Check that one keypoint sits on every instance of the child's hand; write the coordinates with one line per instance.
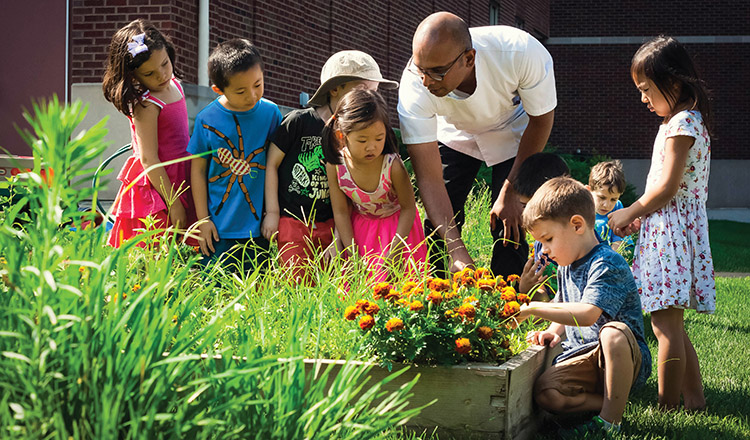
(630, 229)
(270, 225)
(543, 338)
(207, 235)
(533, 274)
(620, 219)
(178, 215)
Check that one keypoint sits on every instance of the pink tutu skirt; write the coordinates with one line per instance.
(374, 235)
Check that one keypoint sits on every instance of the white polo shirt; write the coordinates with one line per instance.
(514, 78)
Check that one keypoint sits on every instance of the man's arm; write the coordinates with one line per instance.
(428, 169)
(507, 208)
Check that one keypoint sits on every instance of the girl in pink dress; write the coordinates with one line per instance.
(139, 82)
(673, 266)
(371, 194)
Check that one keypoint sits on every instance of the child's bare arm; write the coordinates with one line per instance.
(405, 193)
(199, 183)
(575, 314)
(270, 224)
(340, 206)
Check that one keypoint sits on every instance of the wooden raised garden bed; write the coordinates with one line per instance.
(473, 400)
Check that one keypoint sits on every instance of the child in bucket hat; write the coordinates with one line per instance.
(297, 198)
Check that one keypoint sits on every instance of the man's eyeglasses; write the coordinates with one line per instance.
(436, 76)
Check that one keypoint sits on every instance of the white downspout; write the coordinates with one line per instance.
(203, 43)
(67, 48)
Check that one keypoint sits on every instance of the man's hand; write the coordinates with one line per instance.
(270, 225)
(543, 337)
(207, 235)
(507, 208)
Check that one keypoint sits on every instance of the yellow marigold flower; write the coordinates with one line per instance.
(523, 298)
(511, 308)
(408, 287)
(449, 314)
(463, 345)
(402, 302)
(486, 284)
(174, 319)
(508, 294)
(361, 304)
(381, 290)
(482, 273)
(366, 322)
(394, 324)
(435, 297)
(351, 312)
(416, 306)
(124, 296)
(81, 269)
(371, 308)
(392, 295)
(467, 310)
(417, 291)
(439, 285)
(513, 278)
(3, 261)
(451, 294)
(197, 249)
(485, 333)
(500, 283)
(136, 288)
(470, 299)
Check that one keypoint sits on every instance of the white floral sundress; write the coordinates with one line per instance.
(673, 265)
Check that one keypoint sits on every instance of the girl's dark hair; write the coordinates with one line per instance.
(665, 62)
(358, 109)
(119, 84)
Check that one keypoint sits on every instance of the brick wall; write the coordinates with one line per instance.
(599, 108)
(295, 37)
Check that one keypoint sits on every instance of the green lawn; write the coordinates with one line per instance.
(728, 249)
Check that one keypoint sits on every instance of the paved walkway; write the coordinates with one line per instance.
(732, 274)
(733, 214)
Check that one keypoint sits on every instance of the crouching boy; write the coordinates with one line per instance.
(597, 306)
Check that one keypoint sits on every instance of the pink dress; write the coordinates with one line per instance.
(375, 219)
(673, 265)
(142, 199)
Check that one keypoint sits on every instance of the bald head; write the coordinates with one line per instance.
(441, 28)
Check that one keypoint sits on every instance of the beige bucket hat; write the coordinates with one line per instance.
(345, 66)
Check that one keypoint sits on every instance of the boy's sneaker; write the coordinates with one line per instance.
(593, 428)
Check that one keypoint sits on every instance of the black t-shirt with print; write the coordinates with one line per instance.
(303, 184)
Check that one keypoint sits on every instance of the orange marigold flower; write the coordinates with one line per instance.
(197, 249)
(438, 285)
(463, 345)
(482, 273)
(381, 290)
(470, 299)
(136, 288)
(524, 298)
(451, 294)
(486, 284)
(408, 287)
(416, 306)
(81, 269)
(371, 308)
(351, 312)
(449, 314)
(508, 294)
(505, 344)
(485, 333)
(511, 308)
(394, 324)
(513, 278)
(435, 297)
(500, 283)
(392, 295)
(366, 322)
(361, 304)
(467, 310)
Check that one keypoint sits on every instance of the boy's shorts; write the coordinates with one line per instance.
(585, 373)
(299, 241)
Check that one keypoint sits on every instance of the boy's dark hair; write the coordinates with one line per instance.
(559, 199)
(666, 62)
(230, 57)
(608, 175)
(119, 84)
(357, 109)
(537, 169)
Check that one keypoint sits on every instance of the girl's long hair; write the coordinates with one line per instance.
(665, 62)
(119, 84)
(358, 109)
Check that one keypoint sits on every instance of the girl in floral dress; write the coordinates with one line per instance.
(673, 265)
(371, 194)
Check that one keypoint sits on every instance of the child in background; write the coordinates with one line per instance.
(673, 264)
(298, 203)
(139, 80)
(597, 307)
(228, 184)
(371, 194)
(533, 172)
(607, 183)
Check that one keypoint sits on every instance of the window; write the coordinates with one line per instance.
(494, 13)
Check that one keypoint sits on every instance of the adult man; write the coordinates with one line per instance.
(471, 96)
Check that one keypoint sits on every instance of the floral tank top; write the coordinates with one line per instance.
(381, 203)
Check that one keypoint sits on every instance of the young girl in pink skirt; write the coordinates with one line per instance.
(371, 194)
(139, 81)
